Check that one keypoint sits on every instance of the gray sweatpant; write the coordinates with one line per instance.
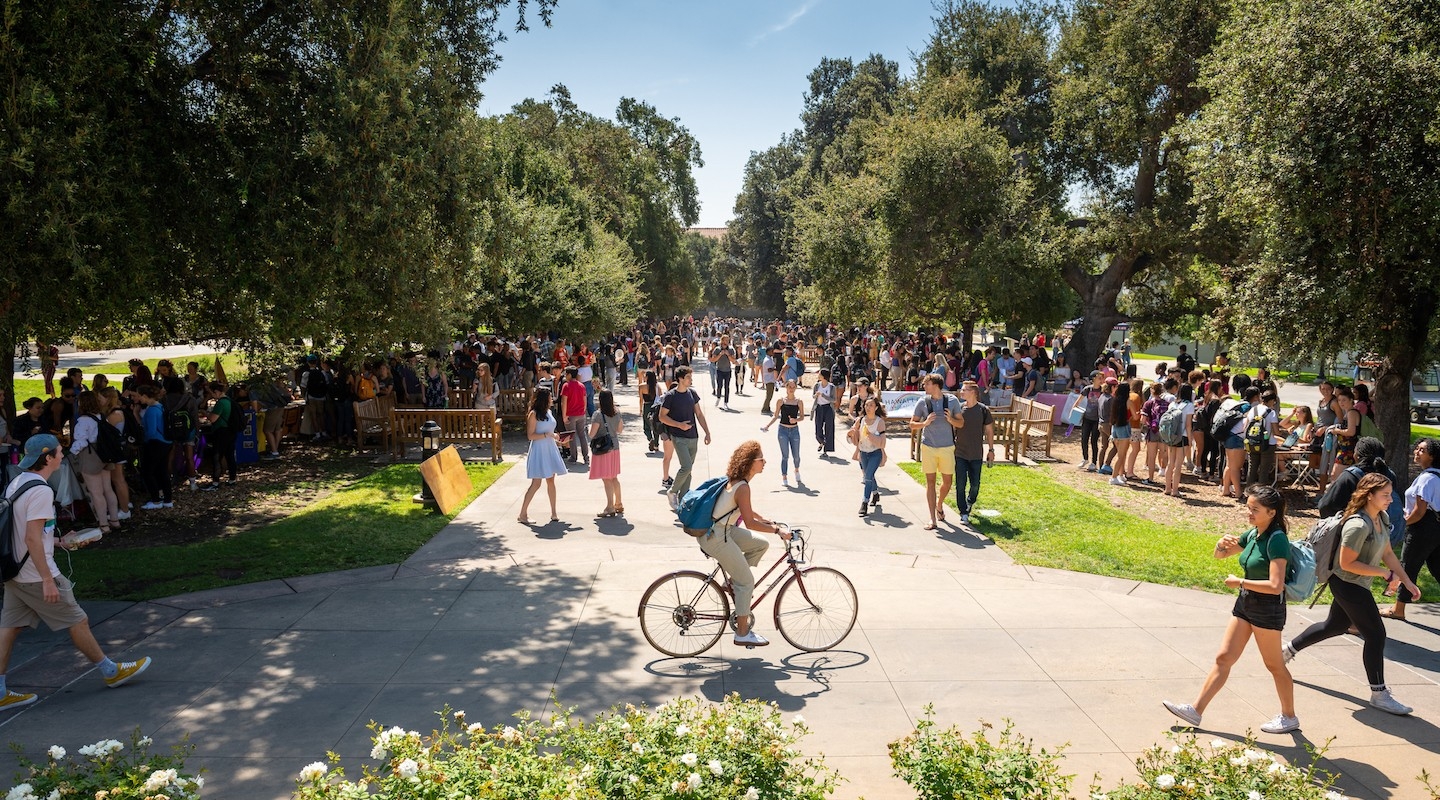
(737, 550)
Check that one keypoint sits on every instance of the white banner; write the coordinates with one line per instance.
(902, 404)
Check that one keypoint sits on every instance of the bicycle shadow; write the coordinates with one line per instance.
(789, 684)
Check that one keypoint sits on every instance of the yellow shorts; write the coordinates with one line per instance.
(937, 459)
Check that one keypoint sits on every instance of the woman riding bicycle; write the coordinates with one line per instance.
(738, 549)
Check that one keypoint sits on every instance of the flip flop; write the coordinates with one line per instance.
(524, 520)
(930, 526)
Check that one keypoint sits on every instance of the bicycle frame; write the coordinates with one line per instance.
(788, 561)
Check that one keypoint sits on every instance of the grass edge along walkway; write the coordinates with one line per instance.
(1044, 523)
(370, 522)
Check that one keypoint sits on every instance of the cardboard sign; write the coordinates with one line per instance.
(447, 478)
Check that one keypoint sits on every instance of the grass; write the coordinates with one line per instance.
(1044, 523)
(369, 523)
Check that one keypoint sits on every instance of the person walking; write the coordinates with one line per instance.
(544, 461)
(936, 421)
(1422, 525)
(722, 359)
(40, 592)
(767, 377)
(1364, 547)
(1120, 430)
(824, 412)
(1259, 611)
(979, 423)
(867, 433)
(737, 548)
(680, 412)
(573, 416)
(606, 466)
(790, 412)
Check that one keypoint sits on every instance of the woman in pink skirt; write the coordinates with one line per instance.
(606, 466)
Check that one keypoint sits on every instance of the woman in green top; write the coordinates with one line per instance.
(1364, 546)
(1259, 610)
(220, 436)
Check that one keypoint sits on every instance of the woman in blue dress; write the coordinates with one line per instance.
(544, 462)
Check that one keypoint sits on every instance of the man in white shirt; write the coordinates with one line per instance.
(40, 592)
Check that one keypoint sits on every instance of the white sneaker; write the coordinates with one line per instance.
(1184, 711)
(1084, 465)
(964, 519)
(123, 515)
(152, 506)
(1092, 467)
(1384, 701)
(1281, 724)
(1124, 481)
(674, 501)
(752, 639)
(1160, 472)
(1288, 651)
(1117, 481)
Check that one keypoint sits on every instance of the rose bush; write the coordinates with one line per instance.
(737, 749)
(108, 769)
(1185, 769)
(945, 764)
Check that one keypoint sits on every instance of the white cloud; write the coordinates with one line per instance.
(790, 20)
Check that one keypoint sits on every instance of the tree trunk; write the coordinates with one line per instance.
(1391, 397)
(1098, 297)
(7, 375)
(967, 330)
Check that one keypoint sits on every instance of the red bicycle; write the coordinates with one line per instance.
(684, 613)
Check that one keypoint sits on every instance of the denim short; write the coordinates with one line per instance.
(1261, 610)
(1120, 432)
(1235, 442)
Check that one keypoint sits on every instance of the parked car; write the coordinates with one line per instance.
(1424, 390)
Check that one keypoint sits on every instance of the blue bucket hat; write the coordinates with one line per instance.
(37, 447)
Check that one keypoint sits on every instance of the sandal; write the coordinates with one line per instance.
(940, 514)
(1390, 614)
(609, 512)
(524, 520)
(930, 526)
(619, 511)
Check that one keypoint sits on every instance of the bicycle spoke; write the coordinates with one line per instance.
(816, 609)
(690, 623)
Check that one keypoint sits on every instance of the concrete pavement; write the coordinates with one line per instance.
(493, 617)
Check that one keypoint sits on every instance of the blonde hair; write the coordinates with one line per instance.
(1368, 485)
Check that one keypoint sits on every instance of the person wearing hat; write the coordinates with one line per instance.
(40, 593)
(1031, 382)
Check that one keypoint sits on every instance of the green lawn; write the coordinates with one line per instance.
(371, 522)
(1046, 524)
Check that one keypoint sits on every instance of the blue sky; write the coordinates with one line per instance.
(732, 71)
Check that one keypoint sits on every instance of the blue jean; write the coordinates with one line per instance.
(825, 426)
(589, 399)
(789, 447)
(869, 463)
(967, 471)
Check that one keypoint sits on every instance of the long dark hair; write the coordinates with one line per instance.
(540, 405)
(1270, 498)
(607, 402)
(1119, 404)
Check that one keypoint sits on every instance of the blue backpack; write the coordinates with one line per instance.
(697, 508)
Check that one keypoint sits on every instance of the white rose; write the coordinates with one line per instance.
(625, 726)
(752, 793)
(715, 767)
(1334, 795)
(20, 792)
(510, 734)
(682, 730)
(633, 778)
(1255, 755)
(314, 771)
(378, 753)
(460, 716)
(1219, 744)
(159, 779)
(408, 768)
(57, 752)
(1166, 781)
(799, 719)
(694, 780)
(689, 759)
(144, 741)
(474, 728)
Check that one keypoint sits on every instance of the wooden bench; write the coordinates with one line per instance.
(372, 421)
(1035, 420)
(514, 404)
(477, 426)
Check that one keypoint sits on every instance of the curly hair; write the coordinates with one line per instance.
(742, 459)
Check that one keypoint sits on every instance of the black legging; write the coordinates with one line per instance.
(1422, 549)
(722, 385)
(1090, 439)
(155, 470)
(1212, 459)
(1353, 605)
(222, 446)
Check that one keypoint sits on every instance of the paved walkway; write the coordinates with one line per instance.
(493, 617)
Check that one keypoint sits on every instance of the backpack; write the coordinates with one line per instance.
(109, 443)
(9, 564)
(1225, 419)
(1315, 557)
(317, 386)
(1257, 435)
(1300, 577)
(236, 423)
(697, 508)
(950, 376)
(179, 424)
(1172, 425)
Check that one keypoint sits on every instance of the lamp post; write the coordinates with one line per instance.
(429, 447)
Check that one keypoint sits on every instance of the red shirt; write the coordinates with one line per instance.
(574, 394)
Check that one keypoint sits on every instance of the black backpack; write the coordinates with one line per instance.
(317, 386)
(179, 424)
(1225, 419)
(109, 443)
(236, 423)
(9, 564)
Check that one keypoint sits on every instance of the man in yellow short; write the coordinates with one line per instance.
(936, 417)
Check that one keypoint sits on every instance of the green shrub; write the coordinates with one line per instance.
(108, 770)
(1225, 769)
(739, 749)
(941, 765)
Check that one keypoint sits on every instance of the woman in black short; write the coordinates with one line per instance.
(1259, 610)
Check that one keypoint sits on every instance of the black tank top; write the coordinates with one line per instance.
(788, 413)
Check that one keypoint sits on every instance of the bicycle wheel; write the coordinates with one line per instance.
(816, 609)
(684, 613)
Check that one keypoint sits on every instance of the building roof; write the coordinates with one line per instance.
(712, 233)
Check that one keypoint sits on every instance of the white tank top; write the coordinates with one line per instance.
(877, 429)
(725, 504)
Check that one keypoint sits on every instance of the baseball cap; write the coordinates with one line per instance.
(37, 447)
(1112, 380)
(1097, 373)
(1027, 360)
